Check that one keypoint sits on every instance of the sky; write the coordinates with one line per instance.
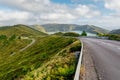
(101, 13)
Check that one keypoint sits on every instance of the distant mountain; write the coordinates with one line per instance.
(39, 28)
(73, 27)
(116, 31)
(20, 30)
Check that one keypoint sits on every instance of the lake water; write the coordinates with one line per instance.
(79, 32)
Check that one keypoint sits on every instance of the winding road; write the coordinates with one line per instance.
(106, 57)
(33, 41)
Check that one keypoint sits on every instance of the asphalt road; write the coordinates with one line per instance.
(106, 57)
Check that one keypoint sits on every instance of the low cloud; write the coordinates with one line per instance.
(112, 4)
(13, 15)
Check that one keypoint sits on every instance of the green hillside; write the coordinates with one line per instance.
(20, 30)
(47, 52)
(73, 27)
(46, 57)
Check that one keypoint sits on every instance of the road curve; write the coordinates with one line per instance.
(33, 41)
(106, 57)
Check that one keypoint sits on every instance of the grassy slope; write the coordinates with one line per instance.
(36, 56)
(9, 47)
(20, 30)
(59, 67)
(12, 46)
(47, 51)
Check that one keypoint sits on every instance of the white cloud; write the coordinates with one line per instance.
(45, 11)
(56, 16)
(108, 22)
(86, 11)
(13, 15)
(112, 4)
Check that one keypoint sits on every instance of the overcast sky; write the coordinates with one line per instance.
(102, 13)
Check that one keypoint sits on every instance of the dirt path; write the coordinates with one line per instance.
(33, 41)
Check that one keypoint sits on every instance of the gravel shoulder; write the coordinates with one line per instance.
(88, 71)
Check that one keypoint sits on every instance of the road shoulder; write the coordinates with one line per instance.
(88, 71)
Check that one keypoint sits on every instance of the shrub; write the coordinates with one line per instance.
(12, 37)
(84, 33)
(3, 37)
(75, 48)
(73, 34)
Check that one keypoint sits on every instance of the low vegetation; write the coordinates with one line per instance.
(114, 37)
(49, 58)
(61, 66)
(72, 34)
(20, 30)
(83, 33)
(110, 36)
(11, 44)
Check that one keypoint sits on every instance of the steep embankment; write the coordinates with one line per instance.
(11, 43)
(46, 58)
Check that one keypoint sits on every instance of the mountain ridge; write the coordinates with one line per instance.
(116, 31)
(73, 27)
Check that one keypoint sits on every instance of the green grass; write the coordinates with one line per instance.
(114, 37)
(59, 67)
(20, 30)
(72, 34)
(110, 36)
(10, 45)
(49, 58)
(47, 51)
